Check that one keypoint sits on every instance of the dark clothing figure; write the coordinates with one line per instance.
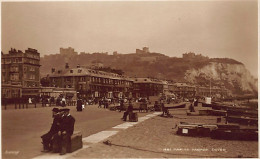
(52, 100)
(99, 103)
(79, 105)
(63, 103)
(47, 138)
(67, 124)
(105, 104)
(58, 102)
(129, 110)
(196, 103)
(164, 110)
(121, 106)
(157, 106)
(191, 108)
(66, 130)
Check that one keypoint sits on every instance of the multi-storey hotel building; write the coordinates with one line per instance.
(145, 87)
(20, 73)
(92, 83)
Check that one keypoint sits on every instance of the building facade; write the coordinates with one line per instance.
(11, 91)
(21, 69)
(92, 83)
(183, 90)
(145, 87)
(68, 93)
(214, 91)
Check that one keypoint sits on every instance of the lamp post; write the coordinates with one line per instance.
(210, 86)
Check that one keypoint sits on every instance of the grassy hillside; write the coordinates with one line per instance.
(228, 72)
(160, 66)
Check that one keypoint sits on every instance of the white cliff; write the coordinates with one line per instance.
(233, 75)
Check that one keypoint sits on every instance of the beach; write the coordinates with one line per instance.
(157, 138)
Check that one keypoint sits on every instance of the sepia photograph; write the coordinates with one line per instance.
(129, 79)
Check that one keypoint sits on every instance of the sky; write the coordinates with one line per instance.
(217, 29)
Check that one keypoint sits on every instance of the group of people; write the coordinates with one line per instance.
(61, 130)
(104, 102)
(61, 101)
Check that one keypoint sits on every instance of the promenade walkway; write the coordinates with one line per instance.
(151, 137)
(97, 138)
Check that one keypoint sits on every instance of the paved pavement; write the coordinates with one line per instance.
(129, 138)
(96, 138)
(22, 128)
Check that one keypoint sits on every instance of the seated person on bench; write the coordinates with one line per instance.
(164, 110)
(47, 138)
(66, 130)
(129, 110)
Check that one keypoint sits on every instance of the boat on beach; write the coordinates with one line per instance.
(234, 134)
(195, 129)
(243, 120)
(217, 131)
(234, 110)
(175, 105)
(206, 102)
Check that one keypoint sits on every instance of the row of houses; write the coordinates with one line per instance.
(86, 82)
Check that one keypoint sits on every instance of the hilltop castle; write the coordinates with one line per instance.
(192, 55)
(144, 51)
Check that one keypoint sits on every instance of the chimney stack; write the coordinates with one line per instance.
(67, 66)
(52, 70)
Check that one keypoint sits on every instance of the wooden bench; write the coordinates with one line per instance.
(75, 144)
(133, 117)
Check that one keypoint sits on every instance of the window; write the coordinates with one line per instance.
(8, 61)
(80, 87)
(32, 77)
(79, 70)
(71, 71)
(14, 69)
(81, 79)
(32, 69)
(14, 77)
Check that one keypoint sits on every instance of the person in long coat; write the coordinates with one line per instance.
(79, 105)
(66, 130)
(55, 127)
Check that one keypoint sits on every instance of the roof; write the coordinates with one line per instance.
(147, 80)
(182, 85)
(87, 72)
